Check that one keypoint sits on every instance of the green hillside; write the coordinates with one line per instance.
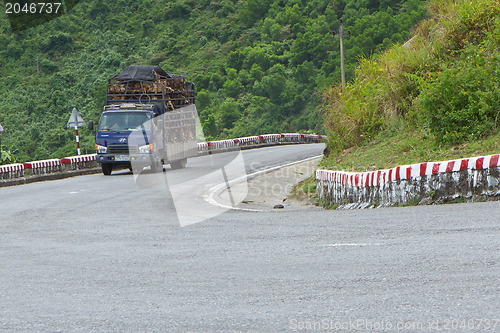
(259, 65)
(434, 97)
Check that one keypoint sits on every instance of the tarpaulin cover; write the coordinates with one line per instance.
(136, 72)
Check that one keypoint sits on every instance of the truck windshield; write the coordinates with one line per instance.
(125, 121)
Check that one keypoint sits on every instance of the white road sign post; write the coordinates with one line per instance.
(75, 120)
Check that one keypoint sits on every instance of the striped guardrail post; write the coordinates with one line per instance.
(468, 177)
(11, 171)
(79, 162)
(257, 140)
(43, 167)
(202, 148)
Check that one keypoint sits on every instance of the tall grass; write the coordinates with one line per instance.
(382, 90)
(418, 82)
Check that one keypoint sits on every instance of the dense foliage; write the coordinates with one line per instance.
(443, 81)
(258, 65)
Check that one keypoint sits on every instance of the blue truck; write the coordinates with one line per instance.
(149, 120)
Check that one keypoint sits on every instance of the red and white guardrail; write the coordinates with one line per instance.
(78, 162)
(259, 139)
(44, 167)
(220, 145)
(11, 171)
(381, 177)
(397, 185)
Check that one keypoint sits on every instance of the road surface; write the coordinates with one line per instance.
(104, 254)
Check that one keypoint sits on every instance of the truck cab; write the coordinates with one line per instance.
(116, 144)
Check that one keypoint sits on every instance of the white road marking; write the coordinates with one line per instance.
(74, 192)
(218, 189)
(351, 244)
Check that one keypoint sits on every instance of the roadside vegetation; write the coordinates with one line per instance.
(259, 65)
(434, 97)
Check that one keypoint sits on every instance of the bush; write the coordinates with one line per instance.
(59, 42)
(445, 79)
(381, 91)
(351, 118)
(462, 101)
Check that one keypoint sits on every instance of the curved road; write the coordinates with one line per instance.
(107, 254)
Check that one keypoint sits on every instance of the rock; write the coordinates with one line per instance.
(425, 201)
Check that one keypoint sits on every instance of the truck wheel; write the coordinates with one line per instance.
(157, 166)
(106, 169)
(179, 164)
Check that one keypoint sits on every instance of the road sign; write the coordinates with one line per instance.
(75, 120)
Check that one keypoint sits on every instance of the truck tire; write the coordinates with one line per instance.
(179, 164)
(157, 166)
(106, 169)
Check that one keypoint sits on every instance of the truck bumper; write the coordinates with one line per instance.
(143, 160)
(124, 159)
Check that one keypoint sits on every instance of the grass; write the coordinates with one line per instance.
(398, 145)
(404, 146)
(444, 81)
(305, 190)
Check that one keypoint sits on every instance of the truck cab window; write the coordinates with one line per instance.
(124, 122)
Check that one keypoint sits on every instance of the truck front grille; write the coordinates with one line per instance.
(123, 149)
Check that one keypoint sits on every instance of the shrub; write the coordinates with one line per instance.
(462, 100)
(350, 117)
(381, 91)
(445, 79)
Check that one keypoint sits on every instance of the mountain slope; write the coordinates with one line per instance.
(435, 97)
(258, 65)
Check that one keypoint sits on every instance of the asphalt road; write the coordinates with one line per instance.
(107, 254)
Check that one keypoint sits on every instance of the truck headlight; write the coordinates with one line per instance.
(101, 149)
(146, 149)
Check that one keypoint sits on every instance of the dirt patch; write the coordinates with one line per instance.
(272, 189)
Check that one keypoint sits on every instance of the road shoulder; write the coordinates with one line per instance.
(271, 190)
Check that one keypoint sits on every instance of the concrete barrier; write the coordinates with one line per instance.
(79, 162)
(257, 141)
(471, 179)
(11, 171)
(43, 167)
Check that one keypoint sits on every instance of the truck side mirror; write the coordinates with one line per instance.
(91, 125)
